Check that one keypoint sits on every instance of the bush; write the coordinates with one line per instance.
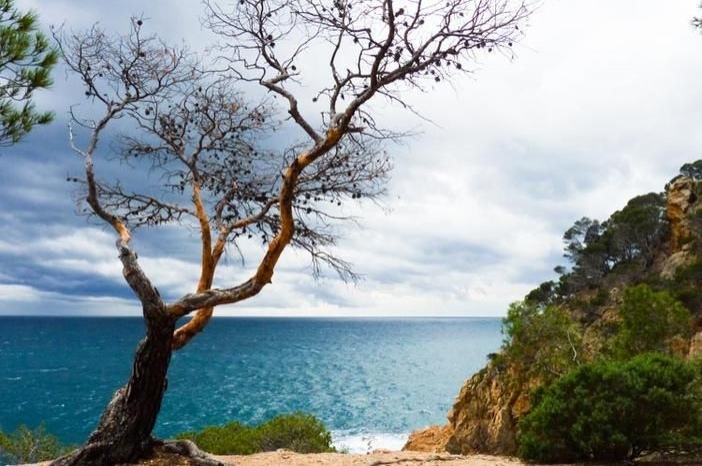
(232, 439)
(299, 432)
(650, 320)
(543, 341)
(27, 445)
(613, 411)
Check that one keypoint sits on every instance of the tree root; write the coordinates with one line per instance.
(189, 450)
(160, 452)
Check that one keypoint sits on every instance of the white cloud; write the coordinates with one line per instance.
(19, 293)
(601, 104)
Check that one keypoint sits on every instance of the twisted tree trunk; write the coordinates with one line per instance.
(123, 434)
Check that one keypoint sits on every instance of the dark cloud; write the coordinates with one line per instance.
(590, 114)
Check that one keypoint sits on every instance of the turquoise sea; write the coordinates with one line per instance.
(371, 381)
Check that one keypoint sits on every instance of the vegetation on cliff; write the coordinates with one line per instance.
(613, 410)
(602, 363)
(629, 386)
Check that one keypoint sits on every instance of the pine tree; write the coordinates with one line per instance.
(26, 61)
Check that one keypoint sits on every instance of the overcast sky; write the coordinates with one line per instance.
(603, 102)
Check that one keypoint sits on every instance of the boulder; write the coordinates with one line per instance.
(431, 439)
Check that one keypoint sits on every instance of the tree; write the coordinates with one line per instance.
(586, 246)
(26, 61)
(630, 236)
(200, 137)
(613, 411)
(541, 341)
(649, 321)
(637, 230)
(692, 170)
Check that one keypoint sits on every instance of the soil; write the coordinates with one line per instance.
(378, 458)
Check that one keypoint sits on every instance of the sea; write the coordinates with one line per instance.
(369, 380)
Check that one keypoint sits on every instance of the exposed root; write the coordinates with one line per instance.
(190, 451)
(156, 453)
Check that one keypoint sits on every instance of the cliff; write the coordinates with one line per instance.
(489, 405)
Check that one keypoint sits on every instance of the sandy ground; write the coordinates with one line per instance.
(401, 458)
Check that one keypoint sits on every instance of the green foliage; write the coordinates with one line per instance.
(542, 341)
(600, 299)
(649, 321)
(692, 170)
(299, 432)
(26, 61)
(27, 445)
(626, 242)
(611, 411)
(231, 439)
(545, 294)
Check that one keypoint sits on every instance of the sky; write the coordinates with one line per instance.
(601, 103)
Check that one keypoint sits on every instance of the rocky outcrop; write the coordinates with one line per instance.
(484, 416)
(681, 198)
(482, 420)
(695, 351)
(431, 439)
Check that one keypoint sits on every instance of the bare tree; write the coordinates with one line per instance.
(200, 138)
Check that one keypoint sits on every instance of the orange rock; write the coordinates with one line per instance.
(431, 439)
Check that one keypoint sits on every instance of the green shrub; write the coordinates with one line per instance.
(231, 439)
(649, 321)
(299, 432)
(543, 341)
(27, 445)
(614, 410)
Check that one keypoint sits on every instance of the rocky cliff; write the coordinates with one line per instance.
(485, 414)
(482, 420)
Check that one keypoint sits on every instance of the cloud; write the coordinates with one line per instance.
(600, 104)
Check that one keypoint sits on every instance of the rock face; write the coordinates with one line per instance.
(681, 199)
(484, 415)
(482, 420)
(431, 439)
(695, 346)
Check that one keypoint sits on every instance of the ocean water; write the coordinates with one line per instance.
(371, 381)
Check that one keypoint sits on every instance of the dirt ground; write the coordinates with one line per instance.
(400, 458)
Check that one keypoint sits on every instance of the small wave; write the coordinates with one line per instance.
(56, 369)
(13, 378)
(366, 443)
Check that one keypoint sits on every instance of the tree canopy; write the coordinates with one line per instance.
(631, 236)
(649, 321)
(26, 61)
(614, 411)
